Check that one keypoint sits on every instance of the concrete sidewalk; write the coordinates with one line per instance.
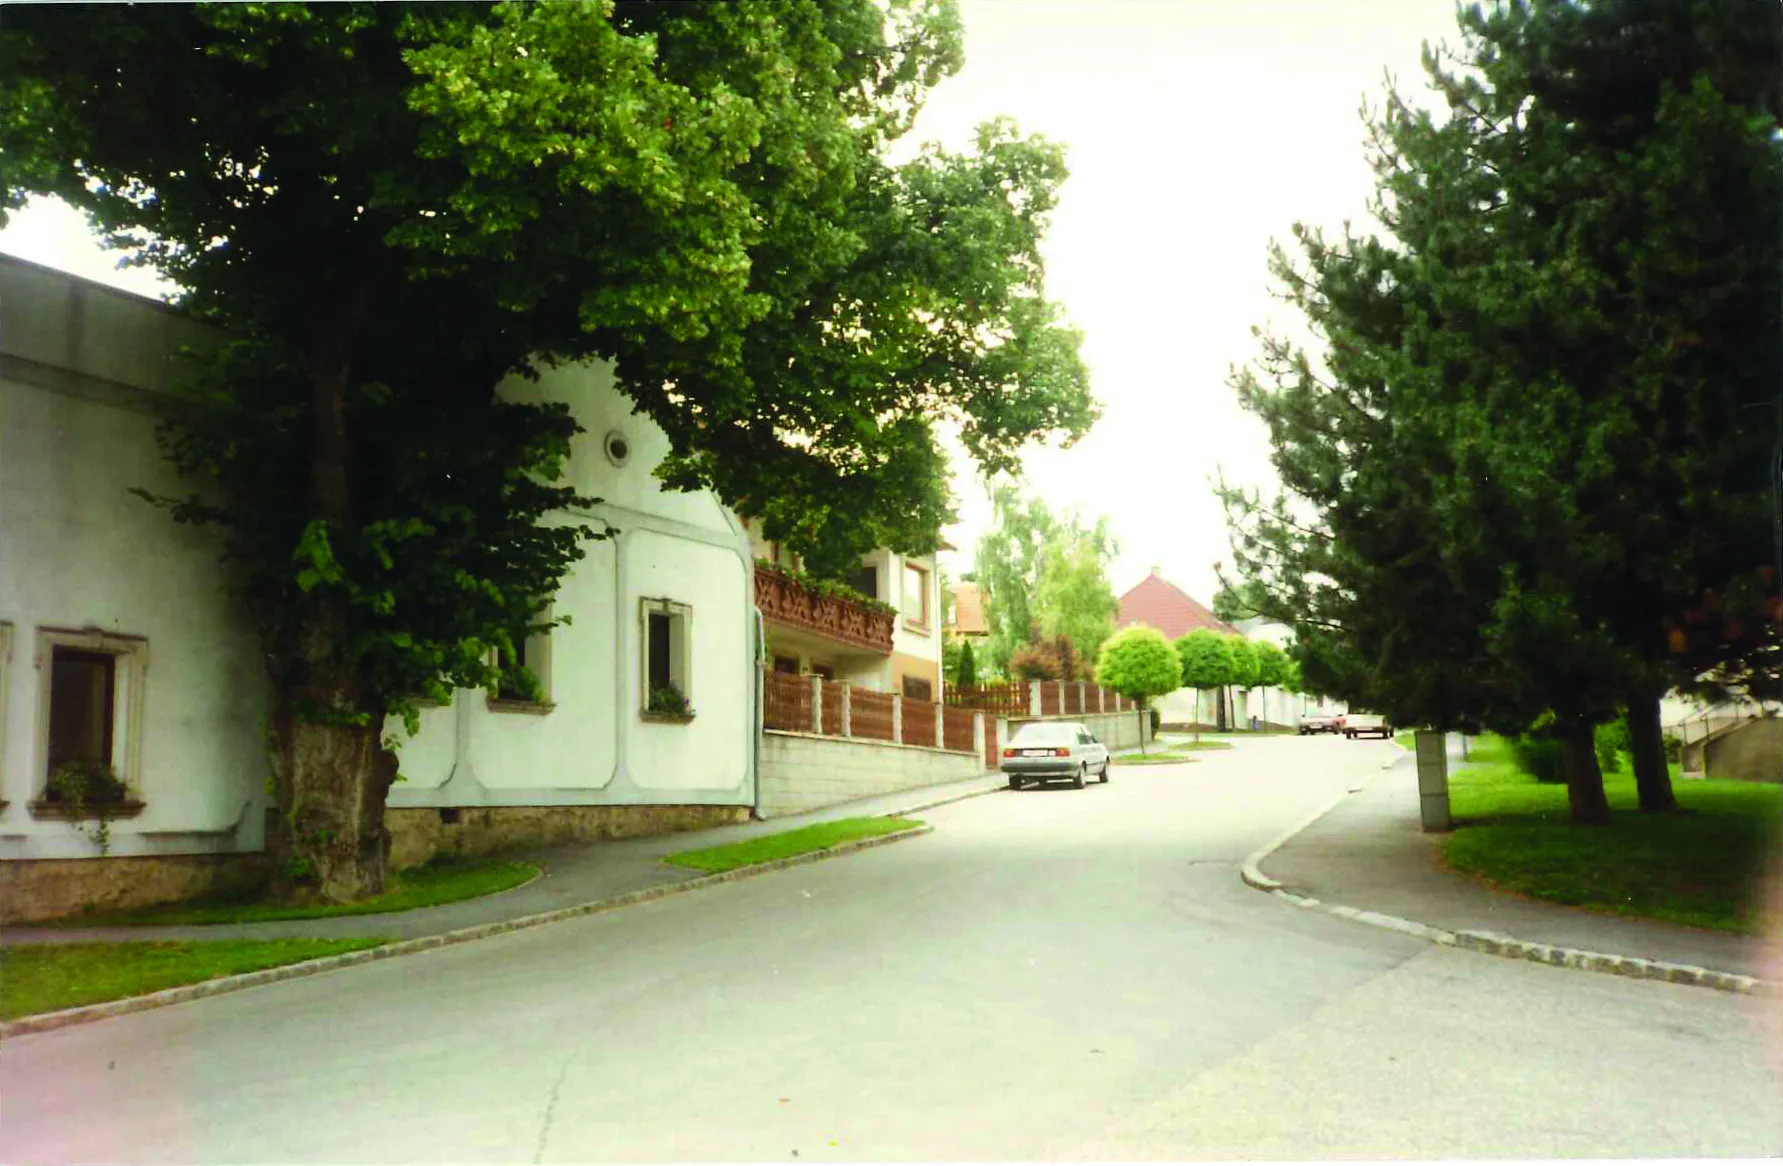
(1369, 853)
(571, 874)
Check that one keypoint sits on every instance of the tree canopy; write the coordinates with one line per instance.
(1138, 662)
(1044, 576)
(392, 208)
(1527, 448)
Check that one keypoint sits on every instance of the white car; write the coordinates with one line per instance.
(1044, 751)
(1366, 725)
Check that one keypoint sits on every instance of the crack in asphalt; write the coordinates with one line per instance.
(538, 1151)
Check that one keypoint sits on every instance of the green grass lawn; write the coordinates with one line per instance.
(444, 880)
(52, 976)
(1169, 756)
(804, 840)
(1403, 740)
(1702, 867)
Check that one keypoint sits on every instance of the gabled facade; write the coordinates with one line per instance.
(121, 648)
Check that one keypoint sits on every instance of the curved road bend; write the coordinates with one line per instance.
(1051, 974)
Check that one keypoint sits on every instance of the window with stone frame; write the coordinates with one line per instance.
(666, 638)
(525, 683)
(91, 699)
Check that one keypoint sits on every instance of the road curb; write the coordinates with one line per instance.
(946, 801)
(1497, 943)
(1253, 874)
(48, 1021)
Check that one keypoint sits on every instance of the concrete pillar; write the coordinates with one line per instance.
(897, 719)
(1033, 698)
(1083, 706)
(817, 704)
(940, 726)
(978, 736)
(1433, 781)
(847, 711)
(1101, 699)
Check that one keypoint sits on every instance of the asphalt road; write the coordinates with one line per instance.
(1050, 974)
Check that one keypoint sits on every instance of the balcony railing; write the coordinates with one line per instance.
(787, 602)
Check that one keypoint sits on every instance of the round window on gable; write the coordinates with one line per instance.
(618, 448)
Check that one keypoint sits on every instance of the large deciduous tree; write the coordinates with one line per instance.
(388, 209)
(1044, 576)
(1531, 445)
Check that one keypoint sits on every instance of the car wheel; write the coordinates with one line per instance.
(1077, 778)
(1014, 782)
(1105, 764)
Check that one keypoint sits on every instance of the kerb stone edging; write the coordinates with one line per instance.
(1496, 943)
(45, 1022)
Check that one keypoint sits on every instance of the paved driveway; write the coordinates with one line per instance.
(1051, 974)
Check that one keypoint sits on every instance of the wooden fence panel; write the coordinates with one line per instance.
(1050, 703)
(833, 691)
(956, 729)
(786, 702)
(919, 722)
(991, 698)
(870, 714)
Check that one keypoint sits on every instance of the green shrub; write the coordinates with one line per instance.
(1674, 747)
(1539, 756)
(1157, 720)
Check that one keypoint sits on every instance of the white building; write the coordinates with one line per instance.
(119, 645)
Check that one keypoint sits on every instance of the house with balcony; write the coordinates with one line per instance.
(881, 631)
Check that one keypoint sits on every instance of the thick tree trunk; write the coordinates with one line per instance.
(1584, 778)
(334, 773)
(1652, 779)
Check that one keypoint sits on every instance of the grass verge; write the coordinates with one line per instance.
(48, 977)
(1404, 741)
(1703, 867)
(444, 880)
(804, 840)
(1170, 756)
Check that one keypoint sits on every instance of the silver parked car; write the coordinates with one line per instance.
(1054, 750)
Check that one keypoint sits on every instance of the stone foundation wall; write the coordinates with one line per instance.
(35, 889)
(418, 834)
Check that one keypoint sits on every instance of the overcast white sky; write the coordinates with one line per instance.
(1196, 130)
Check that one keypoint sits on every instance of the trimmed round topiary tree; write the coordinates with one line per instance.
(1139, 663)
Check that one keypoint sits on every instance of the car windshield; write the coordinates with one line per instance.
(1054, 734)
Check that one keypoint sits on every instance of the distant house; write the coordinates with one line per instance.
(1158, 603)
(967, 620)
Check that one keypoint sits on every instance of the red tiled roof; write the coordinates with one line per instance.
(968, 610)
(1165, 606)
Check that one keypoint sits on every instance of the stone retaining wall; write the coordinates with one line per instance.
(417, 835)
(35, 889)
(803, 771)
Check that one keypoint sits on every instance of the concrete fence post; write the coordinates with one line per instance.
(1083, 704)
(1101, 699)
(1033, 698)
(847, 711)
(897, 719)
(940, 725)
(817, 704)
(978, 736)
(1433, 781)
